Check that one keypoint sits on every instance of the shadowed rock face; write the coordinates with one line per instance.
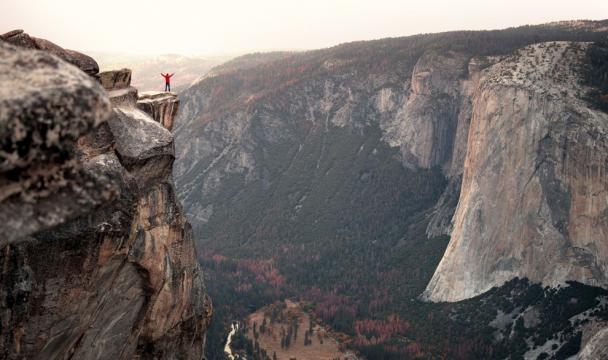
(533, 197)
(162, 106)
(98, 261)
(426, 123)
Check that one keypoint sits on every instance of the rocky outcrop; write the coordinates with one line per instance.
(425, 125)
(98, 260)
(161, 106)
(440, 222)
(533, 197)
(82, 61)
(596, 348)
(45, 106)
(118, 84)
(116, 79)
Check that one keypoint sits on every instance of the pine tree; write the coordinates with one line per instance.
(287, 340)
(263, 327)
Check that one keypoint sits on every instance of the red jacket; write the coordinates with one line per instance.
(167, 77)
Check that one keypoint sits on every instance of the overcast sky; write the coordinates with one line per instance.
(233, 26)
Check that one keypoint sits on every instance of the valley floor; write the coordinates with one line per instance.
(270, 327)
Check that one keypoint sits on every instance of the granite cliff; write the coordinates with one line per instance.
(350, 167)
(98, 260)
(449, 112)
(533, 197)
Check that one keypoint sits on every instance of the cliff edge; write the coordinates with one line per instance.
(98, 260)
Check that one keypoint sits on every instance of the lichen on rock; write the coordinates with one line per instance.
(45, 106)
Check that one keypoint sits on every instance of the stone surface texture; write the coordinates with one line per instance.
(533, 197)
(161, 106)
(97, 258)
(80, 60)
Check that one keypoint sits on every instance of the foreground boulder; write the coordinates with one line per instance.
(98, 261)
(80, 60)
(45, 106)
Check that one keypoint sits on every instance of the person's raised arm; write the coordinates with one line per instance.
(171, 75)
(161, 74)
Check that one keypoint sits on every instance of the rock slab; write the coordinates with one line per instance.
(161, 106)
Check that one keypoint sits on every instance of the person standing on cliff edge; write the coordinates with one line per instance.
(167, 81)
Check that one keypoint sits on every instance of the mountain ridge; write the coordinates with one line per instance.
(343, 167)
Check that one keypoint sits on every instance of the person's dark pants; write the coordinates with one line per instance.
(167, 87)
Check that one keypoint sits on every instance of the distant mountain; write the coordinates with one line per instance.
(147, 68)
(249, 61)
(339, 177)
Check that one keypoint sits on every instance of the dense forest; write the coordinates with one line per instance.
(494, 325)
(595, 74)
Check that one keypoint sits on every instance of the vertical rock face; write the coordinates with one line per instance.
(98, 261)
(161, 106)
(433, 107)
(533, 199)
(524, 157)
(425, 125)
(443, 108)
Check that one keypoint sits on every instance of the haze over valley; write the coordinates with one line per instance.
(389, 181)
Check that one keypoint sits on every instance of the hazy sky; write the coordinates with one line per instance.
(231, 26)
